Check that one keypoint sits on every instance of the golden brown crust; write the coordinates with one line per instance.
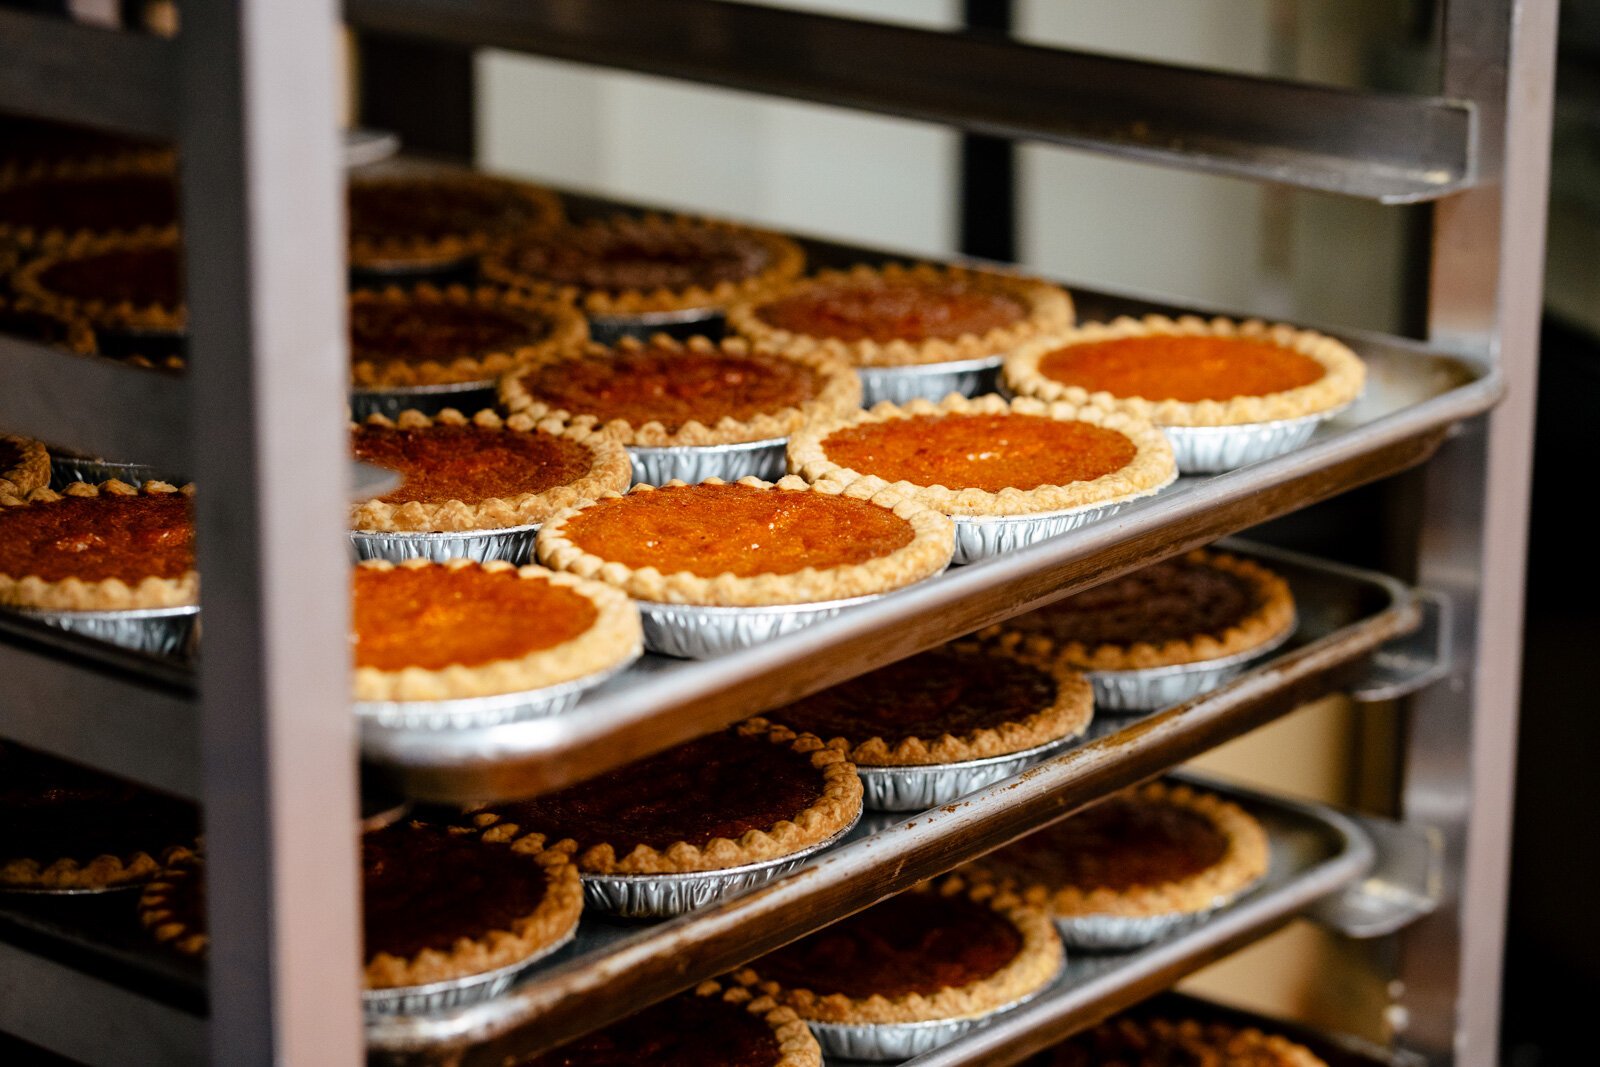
(1204, 1042)
(567, 331)
(155, 163)
(1067, 716)
(1034, 966)
(109, 594)
(614, 638)
(796, 1045)
(30, 471)
(1244, 862)
(1271, 620)
(1050, 315)
(120, 315)
(79, 336)
(401, 252)
(609, 471)
(840, 394)
(928, 553)
(1340, 385)
(1151, 469)
(784, 260)
(102, 872)
(835, 809)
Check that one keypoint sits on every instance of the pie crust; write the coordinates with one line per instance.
(611, 639)
(835, 808)
(136, 165)
(1035, 964)
(32, 282)
(1243, 862)
(782, 260)
(839, 393)
(1274, 613)
(1066, 716)
(1049, 315)
(30, 470)
(401, 251)
(105, 594)
(1136, 1042)
(1151, 467)
(608, 471)
(1341, 382)
(927, 553)
(558, 328)
(27, 318)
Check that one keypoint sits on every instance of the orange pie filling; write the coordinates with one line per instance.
(471, 463)
(1186, 368)
(711, 529)
(96, 538)
(884, 311)
(436, 617)
(988, 452)
(673, 386)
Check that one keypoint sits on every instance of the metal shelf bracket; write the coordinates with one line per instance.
(1414, 661)
(1404, 884)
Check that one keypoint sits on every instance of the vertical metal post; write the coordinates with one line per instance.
(264, 233)
(1485, 293)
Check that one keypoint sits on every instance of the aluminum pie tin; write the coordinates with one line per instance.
(660, 896)
(980, 537)
(468, 712)
(683, 323)
(695, 463)
(72, 891)
(161, 631)
(64, 470)
(1212, 449)
(454, 992)
(511, 543)
(466, 397)
(929, 381)
(1150, 688)
(915, 788)
(698, 631)
(1123, 933)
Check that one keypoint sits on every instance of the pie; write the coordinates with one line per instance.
(965, 700)
(133, 193)
(38, 143)
(101, 547)
(724, 1023)
(24, 465)
(990, 456)
(749, 543)
(667, 393)
(118, 283)
(626, 266)
(1132, 1042)
(437, 903)
(66, 827)
(1153, 850)
(1191, 372)
(1199, 606)
(481, 473)
(428, 336)
(727, 799)
(444, 631)
(24, 317)
(897, 316)
(414, 222)
(935, 952)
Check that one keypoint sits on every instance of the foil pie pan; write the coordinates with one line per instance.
(465, 397)
(161, 631)
(1212, 449)
(1150, 688)
(984, 536)
(64, 470)
(511, 543)
(454, 992)
(930, 381)
(681, 324)
(697, 631)
(916, 788)
(660, 896)
(73, 891)
(696, 463)
(468, 712)
(1124, 933)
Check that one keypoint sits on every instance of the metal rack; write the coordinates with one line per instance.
(259, 729)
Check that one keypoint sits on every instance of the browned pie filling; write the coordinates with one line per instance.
(624, 257)
(469, 462)
(440, 332)
(673, 386)
(111, 202)
(99, 537)
(720, 785)
(912, 943)
(685, 1031)
(1136, 1043)
(143, 276)
(1120, 843)
(1174, 600)
(51, 809)
(435, 209)
(945, 691)
(884, 311)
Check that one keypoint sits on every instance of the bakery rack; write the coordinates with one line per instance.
(258, 729)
